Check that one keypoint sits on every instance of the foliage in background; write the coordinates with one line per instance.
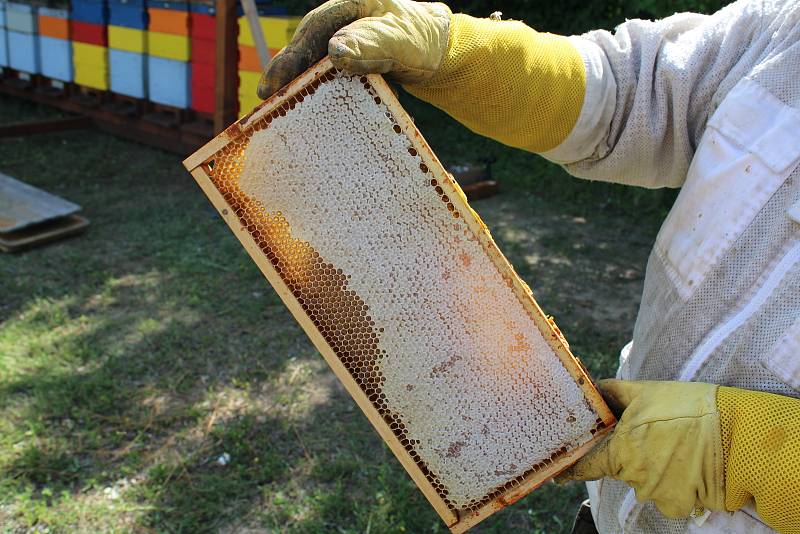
(455, 145)
(567, 16)
(576, 16)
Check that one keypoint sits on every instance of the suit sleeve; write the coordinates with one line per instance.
(651, 87)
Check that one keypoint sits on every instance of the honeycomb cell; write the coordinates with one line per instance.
(380, 256)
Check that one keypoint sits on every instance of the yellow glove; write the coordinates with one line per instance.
(499, 78)
(405, 38)
(688, 446)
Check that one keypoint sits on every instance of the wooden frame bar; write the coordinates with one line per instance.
(226, 92)
(48, 126)
(199, 165)
(134, 128)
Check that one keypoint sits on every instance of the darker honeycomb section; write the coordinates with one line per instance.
(337, 312)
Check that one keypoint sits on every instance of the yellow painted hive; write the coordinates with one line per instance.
(169, 46)
(374, 249)
(127, 39)
(248, 96)
(91, 65)
(278, 31)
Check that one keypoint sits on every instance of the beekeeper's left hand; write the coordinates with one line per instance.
(403, 38)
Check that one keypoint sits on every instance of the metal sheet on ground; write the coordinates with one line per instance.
(23, 205)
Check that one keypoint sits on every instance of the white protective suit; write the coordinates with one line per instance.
(710, 104)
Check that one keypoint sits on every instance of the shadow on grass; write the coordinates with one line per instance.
(136, 356)
(142, 381)
(296, 455)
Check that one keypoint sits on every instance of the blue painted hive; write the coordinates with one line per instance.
(128, 13)
(20, 18)
(56, 58)
(23, 52)
(91, 11)
(128, 73)
(3, 36)
(168, 82)
(3, 48)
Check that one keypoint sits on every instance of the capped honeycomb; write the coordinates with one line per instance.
(394, 277)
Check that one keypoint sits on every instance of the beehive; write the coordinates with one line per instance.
(168, 81)
(203, 34)
(373, 248)
(127, 39)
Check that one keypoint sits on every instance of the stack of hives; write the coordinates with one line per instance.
(126, 54)
(169, 47)
(55, 47)
(278, 30)
(90, 43)
(3, 37)
(203, 42)
(127, 41)
(23, 45)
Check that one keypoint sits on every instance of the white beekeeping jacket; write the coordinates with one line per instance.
(710, 104)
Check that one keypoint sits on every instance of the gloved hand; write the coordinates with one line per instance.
(499, 78)
(687, 446)
(405, 38)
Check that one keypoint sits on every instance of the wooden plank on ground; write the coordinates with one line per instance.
(43, 233)
(30, 216)
(180, 141)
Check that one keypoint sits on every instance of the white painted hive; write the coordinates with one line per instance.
(376, 252)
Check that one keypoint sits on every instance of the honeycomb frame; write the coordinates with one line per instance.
(201, 166)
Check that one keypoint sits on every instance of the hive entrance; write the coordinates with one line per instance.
(376, 253)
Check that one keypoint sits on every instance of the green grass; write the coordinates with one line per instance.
(136, 355)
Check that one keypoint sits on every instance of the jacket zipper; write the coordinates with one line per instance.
(722, 331)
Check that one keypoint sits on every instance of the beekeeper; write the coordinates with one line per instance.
(711, 104)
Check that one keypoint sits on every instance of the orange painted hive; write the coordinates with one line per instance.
(373, 248)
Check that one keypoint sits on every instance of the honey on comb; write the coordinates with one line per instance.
(376, 247)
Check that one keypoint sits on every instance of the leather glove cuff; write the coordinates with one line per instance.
(506, 81)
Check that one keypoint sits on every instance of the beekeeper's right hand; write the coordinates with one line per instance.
(689, 446)
(499, 78)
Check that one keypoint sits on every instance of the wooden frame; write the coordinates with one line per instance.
(198, 166)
